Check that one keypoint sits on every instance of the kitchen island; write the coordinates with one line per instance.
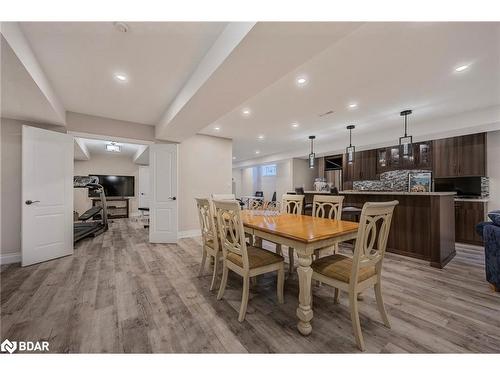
(423, 225)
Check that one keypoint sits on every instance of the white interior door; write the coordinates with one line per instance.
(47, 195)
(163, 193)
(144, 187)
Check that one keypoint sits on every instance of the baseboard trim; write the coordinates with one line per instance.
(189, 233)
(10, 258)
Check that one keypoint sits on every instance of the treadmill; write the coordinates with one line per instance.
(94, 221)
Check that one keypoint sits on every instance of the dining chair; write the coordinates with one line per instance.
(290, 204)
(229, 197)
(244, 260)
(362, 270)
(209, 237)
(327, 207)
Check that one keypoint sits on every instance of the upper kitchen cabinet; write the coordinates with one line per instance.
(390, 158)
(364, 166)
(460, 156)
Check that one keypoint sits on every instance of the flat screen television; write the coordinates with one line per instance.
(464, 186)
(115, 186)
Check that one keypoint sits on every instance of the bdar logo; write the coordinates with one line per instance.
(8, 346)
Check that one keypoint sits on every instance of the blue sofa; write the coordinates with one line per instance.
(491, 236)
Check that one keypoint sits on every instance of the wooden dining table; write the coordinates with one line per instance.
(305, 234)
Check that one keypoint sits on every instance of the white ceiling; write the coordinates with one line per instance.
(80, 59)
(98, 147)
(20, 97)
(384, 68)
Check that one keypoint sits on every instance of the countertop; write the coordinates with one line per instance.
(364, 192)
(480, 200)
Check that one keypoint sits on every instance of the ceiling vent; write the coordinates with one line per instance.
(326, 113)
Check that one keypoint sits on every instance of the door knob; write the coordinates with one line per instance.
(172, 198)
(29, 201)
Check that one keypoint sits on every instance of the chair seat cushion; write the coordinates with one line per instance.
(257, 257)
(339, 267)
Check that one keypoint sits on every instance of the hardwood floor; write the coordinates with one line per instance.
(118, 293)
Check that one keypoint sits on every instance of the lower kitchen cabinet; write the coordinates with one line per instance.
(467, 215)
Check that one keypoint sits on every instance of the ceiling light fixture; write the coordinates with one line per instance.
(113, 147)
(312, 155)
(121, 77)
(353, 105)
(261, 137)
(246, 112)
(217, 128)
(405, 142)
(350, 150)
(301, 81)
(461, 68)
(257, 152)
(234, 157)
(295, 125)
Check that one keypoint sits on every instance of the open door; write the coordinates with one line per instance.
(163, 193)
(47, 195)
(144, 187)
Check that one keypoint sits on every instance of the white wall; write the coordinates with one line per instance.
(204, 168)
(112, 164)
(302, 175)
(493, 165)
(251, 180)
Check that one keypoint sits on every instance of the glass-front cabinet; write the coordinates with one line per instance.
(390, 158)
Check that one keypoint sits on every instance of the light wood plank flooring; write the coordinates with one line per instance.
(118, 293)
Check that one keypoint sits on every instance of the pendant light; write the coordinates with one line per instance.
(405, 142)
(312, 155)
(349, 151)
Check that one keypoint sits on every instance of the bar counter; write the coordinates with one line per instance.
(423, 225)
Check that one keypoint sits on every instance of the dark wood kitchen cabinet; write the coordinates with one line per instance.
(390, 158)
(467, 215)
(364, 167)
(460, 156)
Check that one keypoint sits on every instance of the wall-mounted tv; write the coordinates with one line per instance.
(115, 186)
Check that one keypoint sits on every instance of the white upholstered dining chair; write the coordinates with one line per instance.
(244, 260)
(290, 204)
(209, 237)
(363, 270)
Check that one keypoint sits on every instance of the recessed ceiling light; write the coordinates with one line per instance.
(234, 157)
(301, 81)
(217, 128)
(353, 105)
(245, 112)
(461, 68)
(120, 77)
(257, 152)
(260, 136)
(295, 124)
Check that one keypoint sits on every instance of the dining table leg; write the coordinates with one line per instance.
(304, 311)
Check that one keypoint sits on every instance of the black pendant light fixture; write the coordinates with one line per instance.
(349, 151)
(405, 142)
(312, 155)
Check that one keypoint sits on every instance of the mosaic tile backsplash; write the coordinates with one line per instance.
(389, 181)
(398, 181)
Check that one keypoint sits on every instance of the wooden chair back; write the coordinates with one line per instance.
(292, 204)
(207, 222)
(371, 240)
(327, 206)
(231, 232)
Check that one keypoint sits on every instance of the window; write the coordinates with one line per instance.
(269, 170)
